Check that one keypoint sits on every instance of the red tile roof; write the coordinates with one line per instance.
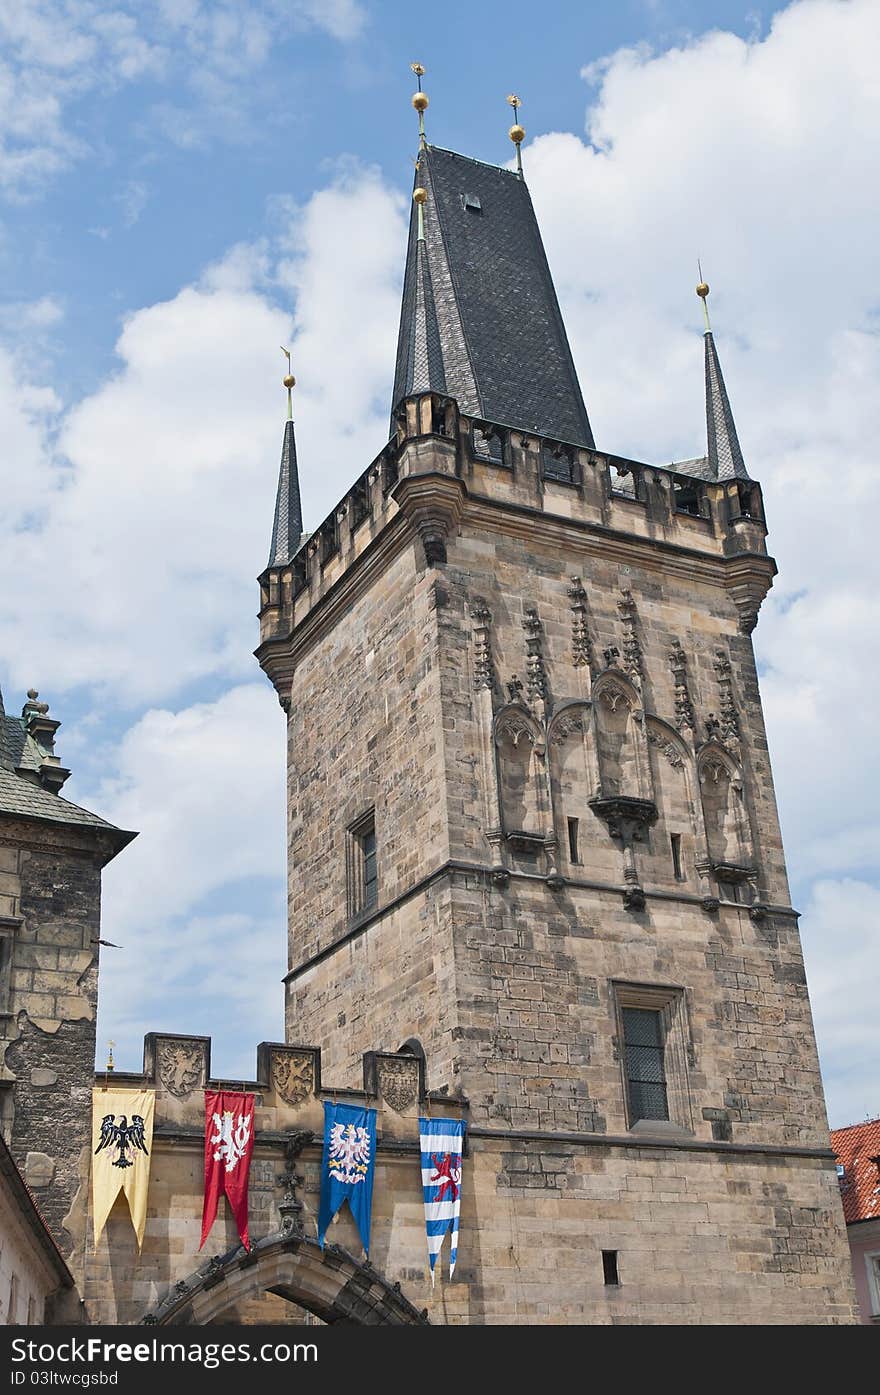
(858, 1152)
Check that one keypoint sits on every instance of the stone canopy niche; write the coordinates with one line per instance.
(520, 748)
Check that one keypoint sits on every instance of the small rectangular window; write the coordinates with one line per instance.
(675, 840)
(573, 854)
(363, 878)
(645, 1072)
(609, 1267)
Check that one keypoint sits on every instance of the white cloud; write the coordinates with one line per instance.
(205, 788)
(841, 937)
(156, 509)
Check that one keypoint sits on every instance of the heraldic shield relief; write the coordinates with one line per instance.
(122, 1141)
(441, 1143)
(347, 1167)
(229, 1143)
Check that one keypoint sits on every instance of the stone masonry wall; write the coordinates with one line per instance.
(48, 1036)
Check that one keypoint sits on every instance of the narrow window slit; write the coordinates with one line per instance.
(609, 1267)
(573, 825)
(675, 840)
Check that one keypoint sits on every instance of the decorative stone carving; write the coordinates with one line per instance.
(290, 1206)
(730, 733)
(514, 689)
(293, 1076)
(632, 650)
(669, 749)
(581, 644)
(514, 726)
(482, 618)
(181, 1066)
(536, 675)
(627, 820)
(398, 1082)
(612, 657)
(684, 712)
(612, 696)
(565, 727)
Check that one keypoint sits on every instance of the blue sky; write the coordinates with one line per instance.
(184, 186)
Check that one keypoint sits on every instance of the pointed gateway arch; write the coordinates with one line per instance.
(330, 1283)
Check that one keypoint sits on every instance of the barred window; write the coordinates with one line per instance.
(656, 1051)
(645, 1072)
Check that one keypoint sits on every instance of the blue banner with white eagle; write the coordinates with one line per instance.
(441, 1143)
(347, 1167)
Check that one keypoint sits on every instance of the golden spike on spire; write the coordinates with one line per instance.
(517, 132)
(420, 101)
(289, 382)
(703, 292)
(420, 198)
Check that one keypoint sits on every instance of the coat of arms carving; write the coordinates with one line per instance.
(293, 1076)
(181, 1066)
(398, 1082)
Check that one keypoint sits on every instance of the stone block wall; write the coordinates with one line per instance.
(47, 1032)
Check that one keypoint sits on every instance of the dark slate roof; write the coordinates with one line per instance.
(18, 751)
(287, 526)
(22, 798)
(725, 457)
(480, 320)
(699, 468)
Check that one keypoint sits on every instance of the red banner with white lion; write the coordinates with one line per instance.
(229, 1143)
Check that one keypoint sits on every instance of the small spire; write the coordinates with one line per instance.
(724, 452)
(420, 102)
(517, 132)
(287, 524)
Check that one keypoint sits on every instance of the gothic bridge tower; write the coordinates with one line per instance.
(532, 826)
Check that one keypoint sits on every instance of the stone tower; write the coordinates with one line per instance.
(532, 828)
(52, 853)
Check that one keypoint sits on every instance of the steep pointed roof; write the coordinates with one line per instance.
(287, 526)
(725, 457)
(480, 320)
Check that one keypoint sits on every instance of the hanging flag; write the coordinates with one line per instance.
(347, 1167)
(441, 1143)
(122, 1140)
(229, 1143)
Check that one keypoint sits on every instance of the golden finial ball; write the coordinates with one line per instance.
(517, 134)
(289, 381)
(420, 195)
(420, 101)
(702, 290)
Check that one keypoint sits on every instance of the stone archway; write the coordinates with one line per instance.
(330, 1283)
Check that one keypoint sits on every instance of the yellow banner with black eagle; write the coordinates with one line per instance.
(122, 1141)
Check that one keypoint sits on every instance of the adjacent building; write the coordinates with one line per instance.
(858, 1172)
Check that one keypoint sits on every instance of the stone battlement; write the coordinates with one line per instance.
(472, 464)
